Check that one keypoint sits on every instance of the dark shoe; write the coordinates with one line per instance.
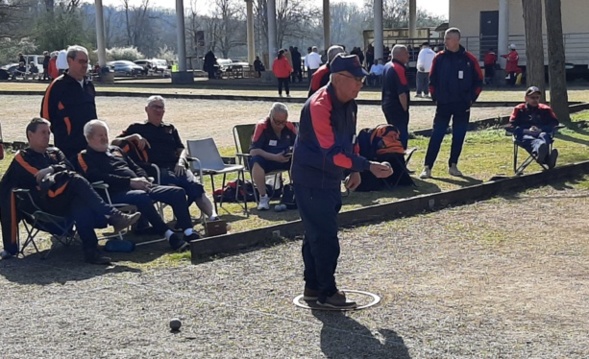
(337, 301)
(121, 220)
(551, 161)
(96, 258)
(177, 243)
(310, 295)
(191, 237)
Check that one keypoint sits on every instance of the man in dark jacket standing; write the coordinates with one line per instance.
(324, 148)
(69, 104)
(395, 93)
(455, 84)
(296, 65)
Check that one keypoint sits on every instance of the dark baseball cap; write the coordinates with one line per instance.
(350, 63)
(532, 90)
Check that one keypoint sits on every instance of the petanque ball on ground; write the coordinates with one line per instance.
(175, 324)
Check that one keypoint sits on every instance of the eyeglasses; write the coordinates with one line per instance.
(356, 78)
(534, 97)
(279, 123)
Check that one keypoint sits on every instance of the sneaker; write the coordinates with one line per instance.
(177, 243)
(264, 203)
(5, 255)
(287, 95)
(191, 237)
(310, 295)
(551, 162)
(454, 171)
(426, 173)
(121, 220)
(95, 257)
(337, 301)
(418, 95)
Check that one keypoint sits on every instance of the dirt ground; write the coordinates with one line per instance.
(506, 278)
(198, 118)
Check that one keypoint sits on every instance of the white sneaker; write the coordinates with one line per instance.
(454, 171)
(418, 95)
(426, 173)
(287, 95)
(264, 203)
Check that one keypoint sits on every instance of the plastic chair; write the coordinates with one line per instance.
(206, 160)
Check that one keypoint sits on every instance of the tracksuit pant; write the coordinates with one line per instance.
(174, 196)
(318, 209)
(536, 145)
(422, 83)
(401, 121)
(460, 114)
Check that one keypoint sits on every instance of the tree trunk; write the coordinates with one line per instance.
(534, 44)
(556, 68)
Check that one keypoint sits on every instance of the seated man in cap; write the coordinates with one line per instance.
(533, 125)
(271, 148)
(128, 183)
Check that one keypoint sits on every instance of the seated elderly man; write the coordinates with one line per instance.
(57, 189)
(376, 71)
(533, 124)
(154, 141)
(271, 148)
(128, 183)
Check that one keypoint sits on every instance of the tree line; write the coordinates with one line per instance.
(33, 26)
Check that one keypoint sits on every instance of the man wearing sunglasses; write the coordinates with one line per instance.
(533, 125)
(326, 147)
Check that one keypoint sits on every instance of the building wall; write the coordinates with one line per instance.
(465, 15)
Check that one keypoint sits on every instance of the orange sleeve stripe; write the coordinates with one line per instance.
(68, 125)
(24, 164)
(60, 105)
(259, 130)
(57, 192)
(82, 163)
(45, 108)
(321, 120)
(342, 160)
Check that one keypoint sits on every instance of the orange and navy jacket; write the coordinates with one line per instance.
(164, 140)
(69, 106)
(394, 84)
(524, 116)
(21, 174)
(455, 77)
(319, 79)
(512, 59)
(326, 142)
(264, 137)
(490, 58)
(113, 167)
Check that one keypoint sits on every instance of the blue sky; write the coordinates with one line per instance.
(438, 7)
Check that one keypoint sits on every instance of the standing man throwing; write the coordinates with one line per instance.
(69, 104)
(324, 148)
(455, 84)
(395, 93)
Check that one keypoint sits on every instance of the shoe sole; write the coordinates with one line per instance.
(184, 247)
(310, 299)
(131, 223)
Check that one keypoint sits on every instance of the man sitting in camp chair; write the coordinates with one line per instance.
(532, 124)
(271, 148)
(128, 183)
(58, 190)
(157, 142)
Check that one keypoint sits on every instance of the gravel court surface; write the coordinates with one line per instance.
(200, 118)
(491, 279)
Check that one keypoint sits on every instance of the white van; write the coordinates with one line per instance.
(37, 59)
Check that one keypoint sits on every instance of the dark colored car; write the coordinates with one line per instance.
(125, 68)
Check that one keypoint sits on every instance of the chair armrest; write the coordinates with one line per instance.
(100, 185)
(21, 190)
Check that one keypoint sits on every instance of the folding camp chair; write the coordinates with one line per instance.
(206, 160)
(518, 169)
(242, 136)
(36, 220)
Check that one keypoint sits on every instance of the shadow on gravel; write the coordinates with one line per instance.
(62, 268)
(344, 337)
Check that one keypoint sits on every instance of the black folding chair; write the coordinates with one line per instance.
(518, 168)
(35, 220)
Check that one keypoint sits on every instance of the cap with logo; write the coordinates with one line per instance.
(349, 63)
(532, 90)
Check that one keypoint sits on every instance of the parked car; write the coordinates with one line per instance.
(125, 68)
(7, 70)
